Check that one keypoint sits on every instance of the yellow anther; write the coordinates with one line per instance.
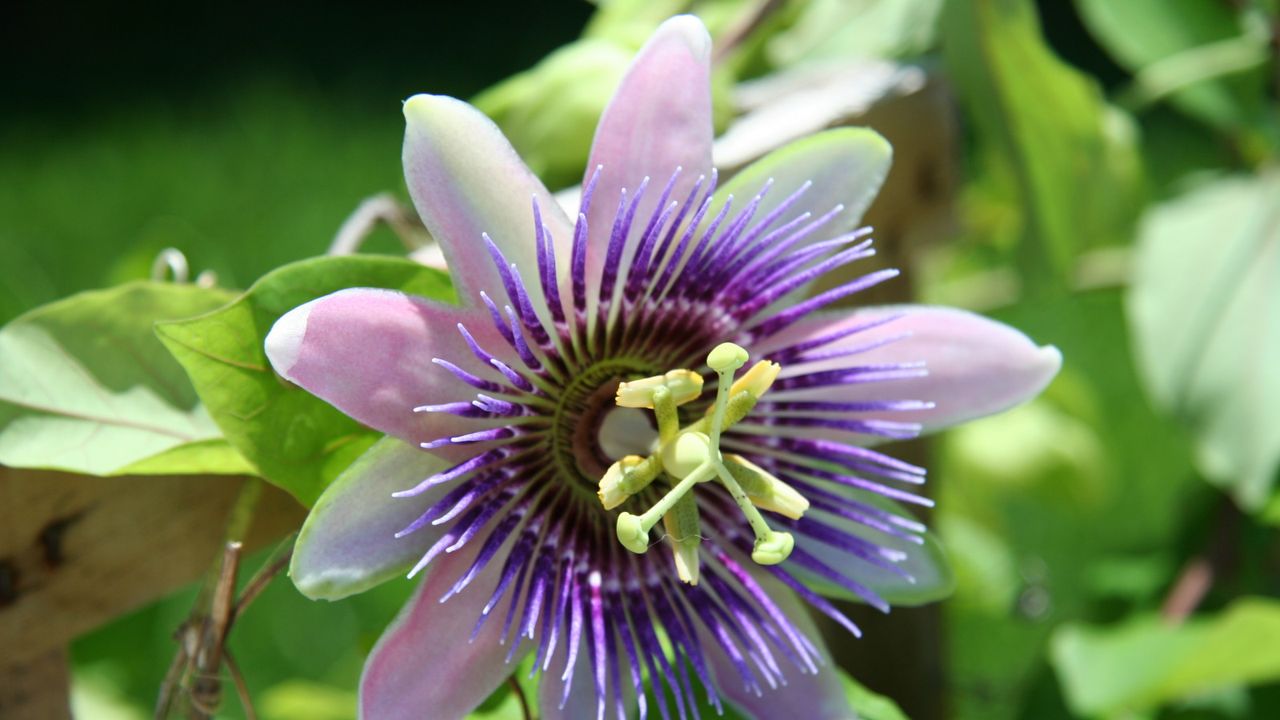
(685, 385)
(614, 488)
(684, 534)
(764, 490)
(757, 380)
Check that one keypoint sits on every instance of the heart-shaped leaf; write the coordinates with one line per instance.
(85, 386)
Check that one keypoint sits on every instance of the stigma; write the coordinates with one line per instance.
(690, 455)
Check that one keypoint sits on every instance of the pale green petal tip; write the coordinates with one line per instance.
(425, 110)
(418, 106)
(860, 139)
(334, 584)
(324, 581)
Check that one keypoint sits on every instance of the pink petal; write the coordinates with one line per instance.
(806, 695)
(659, 119)
(348, 543)
(369, 353)
(424, 665)
(976, 366)
(465, 180)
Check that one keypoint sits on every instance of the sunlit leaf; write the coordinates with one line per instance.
(86, 386)
(296, 440)
(1071, 156)
(1147, 662)
(1205, 309)
(203, 456)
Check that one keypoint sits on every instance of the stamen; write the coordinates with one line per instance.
(684, 385)
(692, 455)
(684, 531)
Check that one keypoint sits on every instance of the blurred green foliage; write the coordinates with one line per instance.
(1118, 161)
(1206, 322)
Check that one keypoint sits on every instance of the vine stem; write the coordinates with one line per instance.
(201, 653)
(524, 701)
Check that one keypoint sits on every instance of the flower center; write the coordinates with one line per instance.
(687, 456)
(582, 411)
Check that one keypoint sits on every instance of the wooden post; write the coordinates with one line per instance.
(78, 551)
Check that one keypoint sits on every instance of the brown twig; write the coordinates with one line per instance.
(1205, 569)
(1193, 583)
(197, 666)
(273, 566)
(242, 688)
(206, 692)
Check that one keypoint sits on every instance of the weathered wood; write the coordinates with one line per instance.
(76, 551)
(35, 688)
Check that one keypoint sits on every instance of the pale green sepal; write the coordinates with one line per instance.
(846, 167)
(347, 544)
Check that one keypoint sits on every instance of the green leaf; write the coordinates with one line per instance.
(307, 700)
(1205, 311)
(205, 456)
(1147, 662)
(869, 705)
(1271, 513)
(1171, 43)
(85, 386)
(296, 440)
(1072, 158)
